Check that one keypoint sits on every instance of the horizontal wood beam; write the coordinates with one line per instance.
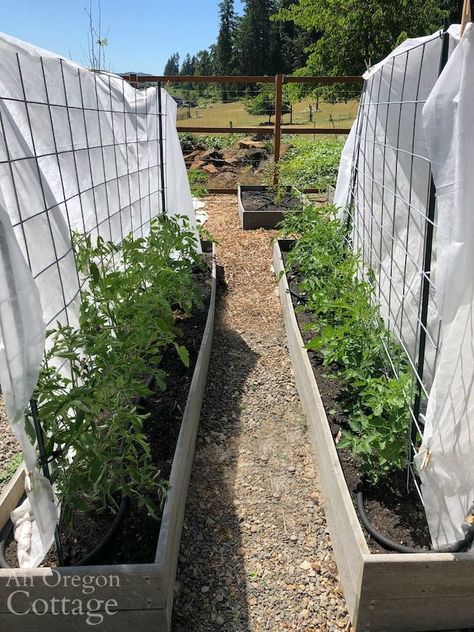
(194, 129)
(221, 191)
(198, 79)
(241, 79)
(323, 80)
(230, 191)
(315, 130)
(225, 130)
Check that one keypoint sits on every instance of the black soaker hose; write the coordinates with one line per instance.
(458, 547)
(85, 560)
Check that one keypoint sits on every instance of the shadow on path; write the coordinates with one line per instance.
(211, 580)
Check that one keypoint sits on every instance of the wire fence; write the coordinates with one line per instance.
(219, 113)
(392, 214)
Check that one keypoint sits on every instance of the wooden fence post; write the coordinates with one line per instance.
(277, 130)
(465, 15)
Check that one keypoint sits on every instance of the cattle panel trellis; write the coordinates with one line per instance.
(393, 219)
(399, 255)
(84, 152)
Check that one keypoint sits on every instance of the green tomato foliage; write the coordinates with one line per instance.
(348, 331)
(132, 295)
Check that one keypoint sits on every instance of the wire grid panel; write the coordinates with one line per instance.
(391, 194)
(79, 151)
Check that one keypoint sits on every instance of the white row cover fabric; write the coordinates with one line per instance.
(388, 156)
(442, 142)
(79, 151)
(448, 441)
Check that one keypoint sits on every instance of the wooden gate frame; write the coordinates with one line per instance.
(277, 130)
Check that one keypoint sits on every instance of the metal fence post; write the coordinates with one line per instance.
(427, 257)
(43, 460)
(162, 150)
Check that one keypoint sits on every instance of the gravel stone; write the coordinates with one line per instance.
(8, 443)
(253, 513)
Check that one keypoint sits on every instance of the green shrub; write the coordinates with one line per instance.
(198, 181)
(11, 467)
(349, 332)
(311, 164)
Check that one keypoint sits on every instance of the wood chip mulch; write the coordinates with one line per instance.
(8, 444)
(255, 553)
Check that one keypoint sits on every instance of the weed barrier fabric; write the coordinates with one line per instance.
(415, 122)
(79, 151)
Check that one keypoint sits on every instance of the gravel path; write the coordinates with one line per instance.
(8, 444)
(255, 553)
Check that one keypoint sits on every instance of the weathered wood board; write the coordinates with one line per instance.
(250, 220)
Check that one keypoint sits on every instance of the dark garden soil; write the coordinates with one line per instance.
(266, 201)
(136, 538)
(392, 509)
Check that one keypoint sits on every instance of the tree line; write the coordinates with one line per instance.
(326, 37)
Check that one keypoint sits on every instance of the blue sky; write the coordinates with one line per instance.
(142, 33)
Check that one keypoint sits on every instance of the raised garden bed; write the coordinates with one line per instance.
(331, 192)
(258, 207)
(142, 593)
(385, 592)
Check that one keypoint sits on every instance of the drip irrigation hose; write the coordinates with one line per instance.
(298, 297)
(8, 528)
(458, 547)
(108, 536)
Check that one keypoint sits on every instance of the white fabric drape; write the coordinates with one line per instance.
(442, 141)
(79, 151)
(448, 121)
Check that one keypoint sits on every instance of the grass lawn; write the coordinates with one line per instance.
(337, 115)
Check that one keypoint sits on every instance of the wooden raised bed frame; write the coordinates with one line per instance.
(250, 220)
(144, 592)
(391, 592)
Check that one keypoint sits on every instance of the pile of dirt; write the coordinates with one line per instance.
(230, 165)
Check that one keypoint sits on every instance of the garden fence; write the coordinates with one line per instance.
(217, 106)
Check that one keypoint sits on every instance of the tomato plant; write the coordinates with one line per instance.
(349, 332)
(132, 296)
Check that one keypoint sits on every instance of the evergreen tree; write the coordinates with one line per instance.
(256, 38)
(188, 65)
(172, 65)
(205, 67)
(204, 64)
(225, 63)
(225, 51)
(293, 40)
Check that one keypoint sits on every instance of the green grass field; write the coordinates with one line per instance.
(337, 115)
